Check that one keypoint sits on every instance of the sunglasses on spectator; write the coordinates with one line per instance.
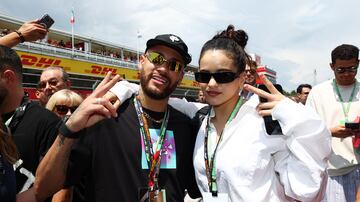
(158, 59)
(220, 77)
(342, 70)
(251, 71)
(63, 109)
(51, 82)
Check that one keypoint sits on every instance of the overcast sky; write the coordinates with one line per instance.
(292, 37)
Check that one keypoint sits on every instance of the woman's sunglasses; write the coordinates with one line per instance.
(63, 109)
(158, 59)
(342, 70)
(220, 77)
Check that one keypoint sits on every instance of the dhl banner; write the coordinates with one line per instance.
(37, 61)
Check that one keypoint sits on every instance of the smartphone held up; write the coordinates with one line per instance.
(46, 21)
(272, 126)
(352, 125)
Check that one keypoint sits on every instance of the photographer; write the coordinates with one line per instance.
(29, 31)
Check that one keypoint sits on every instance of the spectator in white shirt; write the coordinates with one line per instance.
(337, 101)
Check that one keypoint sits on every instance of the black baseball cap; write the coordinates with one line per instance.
(172, 41)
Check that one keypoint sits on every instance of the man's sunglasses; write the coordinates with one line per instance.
(42, 84)
(63, 109)
(342, 70)
(220, 77)
(158, 59)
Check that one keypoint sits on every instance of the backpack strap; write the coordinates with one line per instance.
(19, 113)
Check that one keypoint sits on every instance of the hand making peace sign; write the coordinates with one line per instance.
(94, 108)
(274, 97)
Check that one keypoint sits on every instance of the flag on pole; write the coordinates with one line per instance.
(138, 34)
(72, 19)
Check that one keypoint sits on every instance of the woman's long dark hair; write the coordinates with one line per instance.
(233, 42)
(7, 147)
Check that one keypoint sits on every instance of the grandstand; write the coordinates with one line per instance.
(86, 64)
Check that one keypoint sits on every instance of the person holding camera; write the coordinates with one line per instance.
(29, 31)
(337, 101)
(31, 135)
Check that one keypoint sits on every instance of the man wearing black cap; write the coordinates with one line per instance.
(144, 153)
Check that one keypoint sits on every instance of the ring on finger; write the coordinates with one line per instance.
(98, 101)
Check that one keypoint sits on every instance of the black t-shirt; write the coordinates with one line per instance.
(33, 136)
(7, 181)
(111, 154)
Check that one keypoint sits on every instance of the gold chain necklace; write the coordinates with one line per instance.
(152, 119)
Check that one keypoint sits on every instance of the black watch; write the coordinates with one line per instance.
(66, 132)
(21, 37)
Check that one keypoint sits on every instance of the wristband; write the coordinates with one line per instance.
(22, 38)
(66, 132)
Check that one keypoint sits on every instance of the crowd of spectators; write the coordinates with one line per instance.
(4, 32)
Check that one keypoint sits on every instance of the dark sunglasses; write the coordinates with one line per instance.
(251, 71)
(220, 77)
(342, 70)
(158, 59)
(63, 109)
(42, 84)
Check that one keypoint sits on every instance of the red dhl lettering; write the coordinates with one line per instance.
(47, 62)
(42, 62)
(28, 60)
(102, 70)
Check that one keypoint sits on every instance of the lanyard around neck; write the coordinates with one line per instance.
(210, 165)
(18, 114)
(153, 158)
(345, 108)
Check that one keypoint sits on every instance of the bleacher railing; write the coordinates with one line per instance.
(44, 48)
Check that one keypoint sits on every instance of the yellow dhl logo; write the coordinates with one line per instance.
(81, 67)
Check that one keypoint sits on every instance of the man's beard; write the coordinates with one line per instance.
(154, 94)
(3, 93)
